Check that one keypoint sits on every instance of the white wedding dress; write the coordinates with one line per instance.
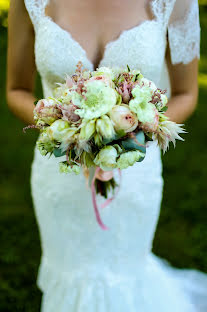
(84, 268)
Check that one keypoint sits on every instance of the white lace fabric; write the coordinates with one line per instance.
(184, 31)
(83, 268)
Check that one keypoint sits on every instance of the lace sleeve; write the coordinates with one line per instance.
(35, 9)
(184, 31)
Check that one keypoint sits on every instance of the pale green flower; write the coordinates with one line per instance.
(44, 143)
(64, 167)
(88, 129)
(41, 148)
(77, 99)
(148, 83)
(128, 159)
(105, 127)
(100, 98)
(60, 131)
(141, 105)
(106, 158)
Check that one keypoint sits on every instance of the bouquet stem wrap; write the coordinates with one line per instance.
(104, 204)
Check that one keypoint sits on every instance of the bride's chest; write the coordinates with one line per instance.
(57, 52)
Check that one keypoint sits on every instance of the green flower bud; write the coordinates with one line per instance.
(60, 130)
(64, 167)
(129, 158)
(105, 127)
(87, 130)
(106, 158)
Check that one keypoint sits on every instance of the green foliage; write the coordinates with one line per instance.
(135, 143)
(181, 233)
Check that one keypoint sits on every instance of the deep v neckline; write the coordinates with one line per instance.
(109, 43)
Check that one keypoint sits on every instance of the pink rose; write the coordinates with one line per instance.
(103, 78)
(123, 118)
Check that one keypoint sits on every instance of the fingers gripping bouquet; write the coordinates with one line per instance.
(103, 119)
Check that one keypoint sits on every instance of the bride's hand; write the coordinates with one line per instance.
(104, 175)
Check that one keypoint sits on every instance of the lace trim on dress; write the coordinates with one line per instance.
(36, 9)
(183, 32)
(163, 9)
(184, 36)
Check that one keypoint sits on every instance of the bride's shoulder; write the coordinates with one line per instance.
(35, 8)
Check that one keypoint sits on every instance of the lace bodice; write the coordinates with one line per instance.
(142, 46)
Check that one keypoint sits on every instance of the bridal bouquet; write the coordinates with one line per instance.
(103, 119)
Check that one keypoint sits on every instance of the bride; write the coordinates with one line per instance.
(83, 268)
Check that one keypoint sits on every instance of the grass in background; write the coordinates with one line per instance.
(182, 228)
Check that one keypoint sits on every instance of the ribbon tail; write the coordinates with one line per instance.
(109, 200)
(93, 191)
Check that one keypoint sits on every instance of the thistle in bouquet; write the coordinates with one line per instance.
(103, 120)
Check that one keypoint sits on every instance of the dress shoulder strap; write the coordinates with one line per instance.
(162, 9)
(36, 10)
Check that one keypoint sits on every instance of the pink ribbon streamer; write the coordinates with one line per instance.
(106, 203)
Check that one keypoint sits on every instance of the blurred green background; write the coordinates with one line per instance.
(181, 236)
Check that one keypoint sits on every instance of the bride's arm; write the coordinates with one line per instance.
(21, 68)
(182, 55)
(184, 89)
